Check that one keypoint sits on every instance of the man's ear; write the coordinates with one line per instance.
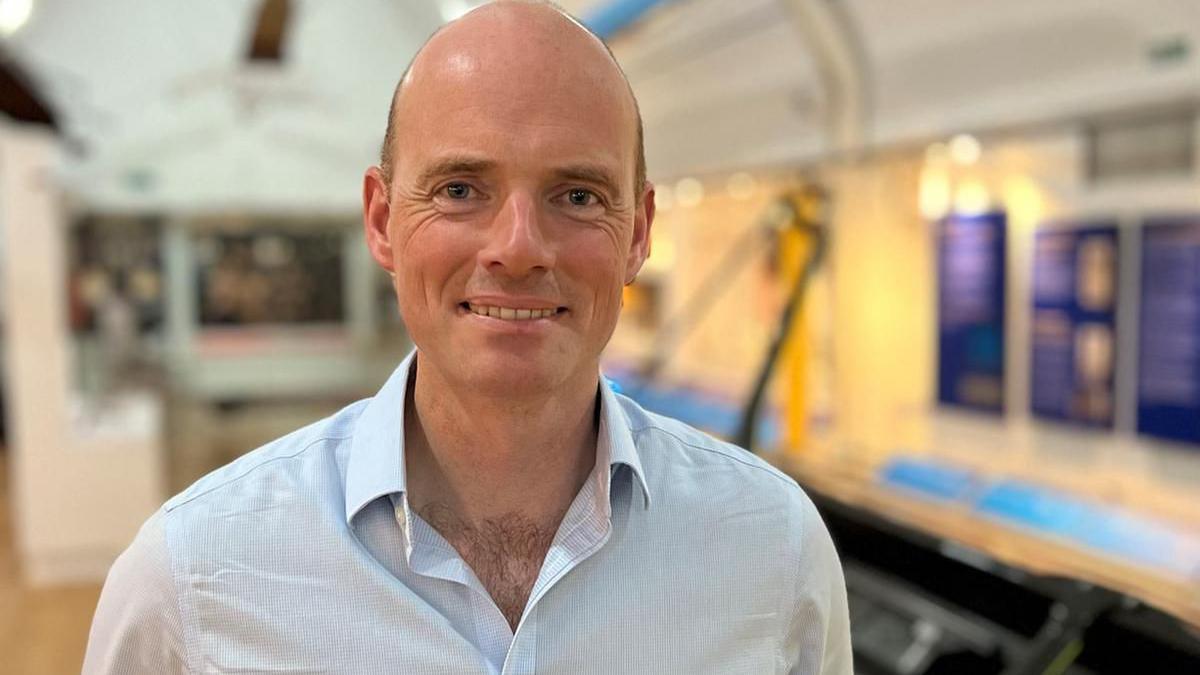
(376, 212)
(639, 247)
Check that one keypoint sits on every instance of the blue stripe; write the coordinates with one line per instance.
(612, 17)
(705, 410)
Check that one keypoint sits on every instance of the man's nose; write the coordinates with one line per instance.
(517, 242)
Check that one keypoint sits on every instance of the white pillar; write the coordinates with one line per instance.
(82, 483)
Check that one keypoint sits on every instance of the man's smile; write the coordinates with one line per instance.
(513, 313)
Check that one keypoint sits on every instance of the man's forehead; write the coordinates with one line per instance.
(519, 24)
(515, 43)
(515, 78)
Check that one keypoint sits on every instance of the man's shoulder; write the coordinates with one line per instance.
(700, 484)
(676, 449)
(264, 465)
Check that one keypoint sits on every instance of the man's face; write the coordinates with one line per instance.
(511, 219)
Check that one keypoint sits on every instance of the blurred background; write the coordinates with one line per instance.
(938, 260)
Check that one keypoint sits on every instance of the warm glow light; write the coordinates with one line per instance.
(662, 254)
(664, 198)
(971, 198)
(965, 149)
(689, 192)
(933, 198)
(14, 14)
(741, 186)
(1024, 203)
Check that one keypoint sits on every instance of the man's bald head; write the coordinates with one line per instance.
(512, 24)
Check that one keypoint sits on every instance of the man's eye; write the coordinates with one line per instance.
(457, 190)
(581, 197)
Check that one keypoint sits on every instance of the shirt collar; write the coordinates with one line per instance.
(376, 465)
(614, 430)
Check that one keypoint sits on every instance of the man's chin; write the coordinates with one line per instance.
(509, 374)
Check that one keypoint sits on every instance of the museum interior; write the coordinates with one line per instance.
(938, 261)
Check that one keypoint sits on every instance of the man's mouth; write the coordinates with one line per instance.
(512, 313)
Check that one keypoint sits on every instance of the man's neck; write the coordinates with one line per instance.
(487, 457)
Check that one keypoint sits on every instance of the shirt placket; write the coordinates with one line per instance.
(584, 530)
(430, 555)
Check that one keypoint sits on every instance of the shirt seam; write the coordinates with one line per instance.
(585, 553)
(256, 467)
(781, 478)
(179, 604)
(796, 581)
(797, 560)
(433, 543)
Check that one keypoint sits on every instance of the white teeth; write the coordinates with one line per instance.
(511, 314)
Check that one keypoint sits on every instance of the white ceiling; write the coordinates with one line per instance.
(732, 84)
(169, 116)
(941, 65)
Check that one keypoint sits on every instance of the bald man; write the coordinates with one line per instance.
(495, 508)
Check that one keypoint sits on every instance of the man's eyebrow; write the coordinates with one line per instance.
(454, 165)
(591, 173)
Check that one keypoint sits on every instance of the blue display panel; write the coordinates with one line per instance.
(1074, 325)
(1169, 344)
(971, 274)
(1125, 534)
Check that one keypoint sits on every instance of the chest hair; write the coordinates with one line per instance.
(505, 553)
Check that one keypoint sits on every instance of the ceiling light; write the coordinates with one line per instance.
(664, 198)
(452, 9)
(965, 149)
(934, 197)
(14, 14)
(689, 192)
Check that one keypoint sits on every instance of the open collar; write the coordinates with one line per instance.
(376, 465)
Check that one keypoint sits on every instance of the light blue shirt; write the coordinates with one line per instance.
(680, 554)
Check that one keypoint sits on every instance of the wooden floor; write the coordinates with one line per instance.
(42, 632)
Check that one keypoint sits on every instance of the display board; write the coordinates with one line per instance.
(971, 297)
(1169, 342)
(270, 275)
(115, 275)
(1074, 324)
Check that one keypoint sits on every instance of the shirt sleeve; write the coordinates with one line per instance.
(818, 638)
(137, 627)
